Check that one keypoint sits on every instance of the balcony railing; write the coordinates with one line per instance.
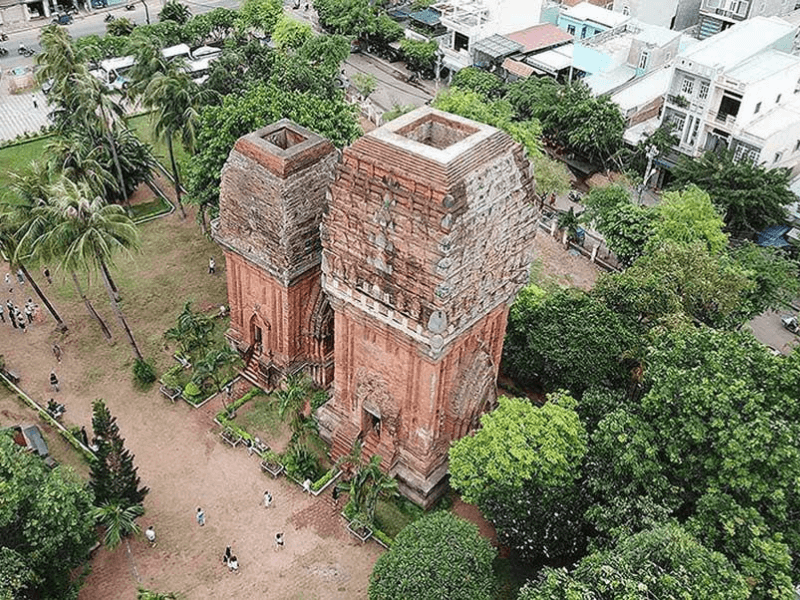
(723, 118)
(736, 15)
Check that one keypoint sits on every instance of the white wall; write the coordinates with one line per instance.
(766, 92)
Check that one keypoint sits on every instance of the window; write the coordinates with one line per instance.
(746, 152)
(778, 156)
(758, 108)
(778, 99)
(571, 29)
(703, 93)
(687, 87)
(677, 121)
(460, 42)
(643, 57)
(583, 32)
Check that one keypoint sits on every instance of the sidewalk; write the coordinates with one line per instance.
(18, 114)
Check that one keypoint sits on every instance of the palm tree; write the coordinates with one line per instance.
(87, 234)
(292, 399)
(215, 366)
(366, 486)
(192, 331)
(119, 522)
(80, 161)
(177, 100)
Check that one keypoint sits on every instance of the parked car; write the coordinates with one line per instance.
(63, 19)
(99, 3)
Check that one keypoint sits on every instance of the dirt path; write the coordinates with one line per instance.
(178, 453)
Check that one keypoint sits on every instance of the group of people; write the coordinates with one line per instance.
(19, 318)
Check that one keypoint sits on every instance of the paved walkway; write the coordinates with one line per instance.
(20, 113)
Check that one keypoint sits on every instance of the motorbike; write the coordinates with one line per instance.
(130, 7)
(109, 18)
(3, 51)
(790, 322)
(3, 37)
(25, 51)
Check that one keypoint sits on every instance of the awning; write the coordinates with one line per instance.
(773, 236)
(517, 68)
(552, 61)
(497, 46)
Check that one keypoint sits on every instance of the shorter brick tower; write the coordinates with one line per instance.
(426, 241)
(272, 197)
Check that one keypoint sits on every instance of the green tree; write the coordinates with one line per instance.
(260, 15)
(665, 562)
(192, 331)
(114, 479)
(86, 234)
(213, 27)
(550, 338)
(120, 27)
(750, 196)
(292, 398)
(290, 33)
(176, 99)
(46, 530)
(687, 217)
(118, 520)
(175, 11)
(365, 83)
(420, 56)
(367, 484)
(144, 594)
(520, 468)
(346, 17)
(477, 80)
(775, 276)
(437, 556)
(217, 366)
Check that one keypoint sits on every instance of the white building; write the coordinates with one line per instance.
(719, 15)
(468, 21)
(672, 14)
(739, 90)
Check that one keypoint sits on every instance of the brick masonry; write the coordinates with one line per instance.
(409, 263)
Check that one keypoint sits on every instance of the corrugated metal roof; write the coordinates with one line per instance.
(497, 46)
(539, 37)
(518, 68)
(773, 236)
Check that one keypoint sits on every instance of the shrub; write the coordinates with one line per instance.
(437, 556)
(143, 372)
(300, 463)
(192, 392)
(318, 398)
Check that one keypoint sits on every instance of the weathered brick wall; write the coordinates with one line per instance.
(424, 246)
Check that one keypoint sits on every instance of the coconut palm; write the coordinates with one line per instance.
(176, 100)
(86, 234)
(61, 62)
(366, 486)
(216, 366)
(118, 520)
(74, 157)
(292, 398)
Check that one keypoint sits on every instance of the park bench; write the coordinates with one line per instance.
(171, 393)
(230, 436)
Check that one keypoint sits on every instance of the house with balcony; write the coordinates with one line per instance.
(585, 20)
(469, 21)
(738, 90)
(672, 14)
(718, 15)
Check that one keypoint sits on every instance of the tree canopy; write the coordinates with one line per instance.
(46, 529)
(437, 556)
(750, 196)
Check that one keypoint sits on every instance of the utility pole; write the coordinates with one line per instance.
(652, 152)
(146, 12)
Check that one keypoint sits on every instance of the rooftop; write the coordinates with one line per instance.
(763, 65)
(553, 60)
(605, 82)
(643, 90)
(497, 46)
(539, 37)
(735, 45)
(775, 120)
(589, 12)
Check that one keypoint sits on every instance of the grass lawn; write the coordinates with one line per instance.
(142, 211)
(18, 157)
(392, 515)
(142, 126)
(259, 417)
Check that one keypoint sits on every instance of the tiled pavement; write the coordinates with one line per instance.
(21, 113)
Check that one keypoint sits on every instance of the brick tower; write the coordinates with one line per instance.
(426, 241)
(272, 197)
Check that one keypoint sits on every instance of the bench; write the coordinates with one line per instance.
(230, 436)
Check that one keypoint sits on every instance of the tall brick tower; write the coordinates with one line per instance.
(426, 241)
(272, 197)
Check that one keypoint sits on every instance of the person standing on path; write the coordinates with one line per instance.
(212, 266)
(233, 564)
(29, 313)
(335, 496)
(8, 283)
(201, 517)
(2, 318)
(227, 556)
(84, 437)
(57, 352)
(150, 534)
(279, 542)
(12, 315)
(307, 486)
(267, 499)
(21, 321)
(54, 380)
(20, 277)
(46, 274)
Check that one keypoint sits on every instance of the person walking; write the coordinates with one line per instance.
(46, 274)
(279, 542)
(335, 496)
(54, 380)
(201, 517)
(267, 499)
(84, 436)
(212, 266)
(233, 564)
(9, 285)
(150, 534)
(20, 277)
(307, 486)
(29, 313)
(227, 556)
(21, 322)
(12, 314)
(57, 352)
(2, 313)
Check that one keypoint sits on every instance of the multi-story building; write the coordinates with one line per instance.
(585, 20)
(739, 90)
(468, 21)
(673, 14)
(719, 15)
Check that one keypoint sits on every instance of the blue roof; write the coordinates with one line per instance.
(427, 16)
(401, 12)
(773, 236)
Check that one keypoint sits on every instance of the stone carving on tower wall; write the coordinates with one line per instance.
(372, 394)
